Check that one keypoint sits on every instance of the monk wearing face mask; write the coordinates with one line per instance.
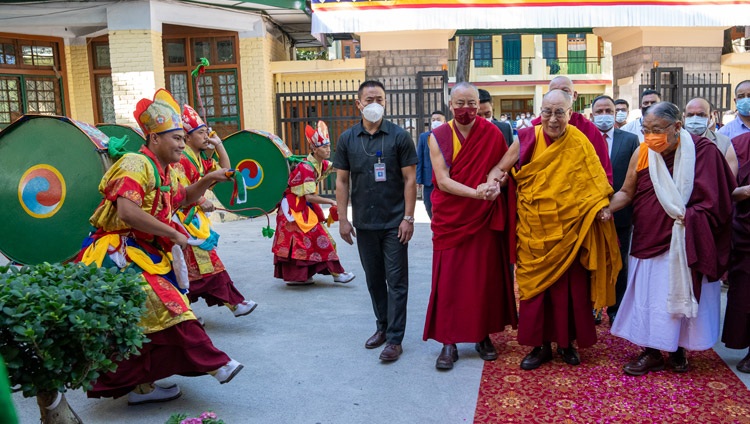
(472, 289)
(680, 186)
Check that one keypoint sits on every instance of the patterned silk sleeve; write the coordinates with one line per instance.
(129, 178)
(302, 180)
(327, 169)
(211, 165)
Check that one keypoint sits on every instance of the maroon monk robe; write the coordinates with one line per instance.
(562, 313)
(707, 218)
(183, 349)
(736, 334)
(592, 133)
(472, 291)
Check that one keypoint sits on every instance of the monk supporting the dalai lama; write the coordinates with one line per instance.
(567, 254)
(133, 230)
(472, 289)
(681, 189)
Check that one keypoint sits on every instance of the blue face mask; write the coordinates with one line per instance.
(604, 122)
(743, 106)
(696, 125)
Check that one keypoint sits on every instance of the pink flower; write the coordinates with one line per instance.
(192, 421)
(208, 414)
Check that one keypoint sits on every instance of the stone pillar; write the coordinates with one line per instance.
(137, 69)
(80, 95)
(258, 48)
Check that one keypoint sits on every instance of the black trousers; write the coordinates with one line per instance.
(623, 234)
(386, 263)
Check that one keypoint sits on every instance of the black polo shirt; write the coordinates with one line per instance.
(376, 205)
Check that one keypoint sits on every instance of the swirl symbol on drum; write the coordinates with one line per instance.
(41, 191)
(251, 172)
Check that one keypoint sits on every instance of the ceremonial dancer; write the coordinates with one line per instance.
(302, 246)
(133, 231)
(209, 279)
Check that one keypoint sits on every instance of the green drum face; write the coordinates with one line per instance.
(135, 135)
(260, 158)
(51, 170)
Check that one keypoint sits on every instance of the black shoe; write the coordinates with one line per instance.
(678, 361)
(569, 355)
(744, 364)
(486, 349)
(537, 357)
(447, 357)
(612, 319)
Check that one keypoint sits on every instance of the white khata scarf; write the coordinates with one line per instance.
(673, 192)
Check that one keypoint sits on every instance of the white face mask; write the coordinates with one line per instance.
(373, 112)
(604, 122)
(436, 124)
(621, 116)
(696, 125)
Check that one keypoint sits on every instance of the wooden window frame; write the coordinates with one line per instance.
(189, 35)
(95, 72)
(58, 70)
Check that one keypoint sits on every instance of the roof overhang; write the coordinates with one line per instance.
(291, 16)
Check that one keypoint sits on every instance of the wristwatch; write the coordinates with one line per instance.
(409, 219)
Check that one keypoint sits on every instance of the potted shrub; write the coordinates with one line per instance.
(61, 326)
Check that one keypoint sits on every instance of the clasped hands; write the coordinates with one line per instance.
(488, 190)
(492, 188)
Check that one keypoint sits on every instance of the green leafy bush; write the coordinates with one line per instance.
(61, 326)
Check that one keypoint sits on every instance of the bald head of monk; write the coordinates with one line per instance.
(556, 111)
(565, 84)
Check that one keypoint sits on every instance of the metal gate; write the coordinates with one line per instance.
(410, 102)
(679, 88)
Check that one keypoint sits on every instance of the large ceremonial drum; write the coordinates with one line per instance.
(51, 168)
(134, 134)
(261, 158)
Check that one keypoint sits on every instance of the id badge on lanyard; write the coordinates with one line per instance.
(379, 169)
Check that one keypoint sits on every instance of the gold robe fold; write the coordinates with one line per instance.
(559, 193)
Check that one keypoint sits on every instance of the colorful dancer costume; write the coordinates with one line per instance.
(140, 194)
(302, 245)
(208, 277)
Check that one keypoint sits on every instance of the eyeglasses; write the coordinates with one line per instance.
(655, 130)
(559, 113)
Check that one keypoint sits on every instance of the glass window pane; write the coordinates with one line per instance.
(106, 98)
(7, 54)
(43, 96)
(225, 51)
(26, 57)
(175, 51)
(201, 48)
(177, 85)
(206, 89)
(101, 56)
(38, 55)
(10, 106)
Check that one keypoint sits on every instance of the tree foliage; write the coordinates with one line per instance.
(61, 326)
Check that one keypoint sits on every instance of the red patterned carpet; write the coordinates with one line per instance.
(597, 391)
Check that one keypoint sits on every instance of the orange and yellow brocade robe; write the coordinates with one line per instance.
(189, 170)
(133, 178)
(559, 193)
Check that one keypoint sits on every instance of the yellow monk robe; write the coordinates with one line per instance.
(560, 191)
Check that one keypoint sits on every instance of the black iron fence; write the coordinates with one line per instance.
(677, 87)
(410, 102)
